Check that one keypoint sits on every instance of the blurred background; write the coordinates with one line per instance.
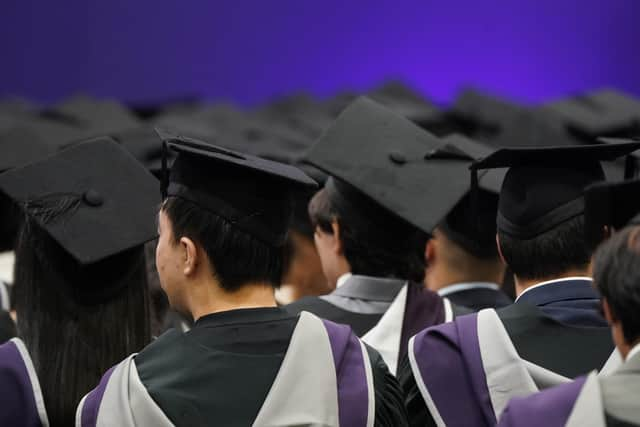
(249, 52)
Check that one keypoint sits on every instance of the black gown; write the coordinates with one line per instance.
(174, 380)
(557, 326)
(7, 327)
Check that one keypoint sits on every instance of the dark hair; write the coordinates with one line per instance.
(376, 242)
(549, 254)
(72, 342)
(237, 257)
(616, 274)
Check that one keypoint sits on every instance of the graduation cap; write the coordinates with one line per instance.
(392, 162)
(95, 117)
(103, 213)
(471, 224)
(405, 102)
(600, 113)
(611, 205)
(251, 193)
(544, 185)
(28, 138)
(507, 124)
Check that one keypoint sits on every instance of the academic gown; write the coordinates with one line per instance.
(22, 404)
(7, 327)
(247, 367)
(384, 312)
(476, 296)
(464, 373)
(605, 401)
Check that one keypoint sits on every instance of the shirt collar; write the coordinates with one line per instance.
(633, 352)
(343, 279)
(459, 287)
(553, 282)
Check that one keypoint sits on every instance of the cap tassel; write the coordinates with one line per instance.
(630, 167)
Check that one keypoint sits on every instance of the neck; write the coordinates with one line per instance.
(213, 299)
(438, 278)
(522, 283)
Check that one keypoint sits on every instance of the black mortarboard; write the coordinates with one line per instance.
(406, 102)
(599, 113)
(504, 123)
(471, 224)
(544, 185)
(28, 138)
(251, 193)
(392, 162)
(610, 204)
(94, 199)
(95, 117)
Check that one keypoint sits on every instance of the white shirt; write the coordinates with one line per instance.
(548, 282)
(343, 279)
(634, 351)
(466, 286)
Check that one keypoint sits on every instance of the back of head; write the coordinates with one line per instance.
(236, 256)
(80, 282)
(616, 273)
(72, 337)
(375, 242)
(548, 201)
(468, 243)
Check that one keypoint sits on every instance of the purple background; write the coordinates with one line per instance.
(250, 51)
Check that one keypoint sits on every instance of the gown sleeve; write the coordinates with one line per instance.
(417, 411)
(390, 409)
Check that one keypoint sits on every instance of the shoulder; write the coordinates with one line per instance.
(554, 404)
(311, 304)
(164, 349)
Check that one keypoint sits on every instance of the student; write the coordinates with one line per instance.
(463, 263)
(599, 401)
(372, 220)
(80, 283)
(554, 331)
(222, 225)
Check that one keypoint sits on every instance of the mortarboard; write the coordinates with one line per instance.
(105, 212)
(471, 223)
(610, 204)
(251, 193)
(389, 160)
(599, 113)
(504, 123)
(406, 102)
(544, 185)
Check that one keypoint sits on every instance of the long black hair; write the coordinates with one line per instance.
(71, 338)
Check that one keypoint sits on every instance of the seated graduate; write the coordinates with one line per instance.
(372, 220)
(463, 263)
(465, 372)
(80, 283)
(245, 361)
(608, 400)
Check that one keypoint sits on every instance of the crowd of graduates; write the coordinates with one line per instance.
(358, 260)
